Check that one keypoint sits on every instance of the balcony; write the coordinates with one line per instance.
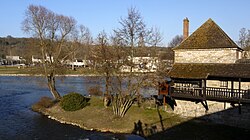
(211, 93)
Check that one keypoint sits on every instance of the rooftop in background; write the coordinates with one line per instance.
(207, 36)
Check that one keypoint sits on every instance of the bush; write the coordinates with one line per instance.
(95, 91)
(73, 101)
(44, 102)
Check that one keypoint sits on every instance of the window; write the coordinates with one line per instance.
(224, 84)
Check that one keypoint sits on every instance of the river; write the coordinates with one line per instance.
(18, 121)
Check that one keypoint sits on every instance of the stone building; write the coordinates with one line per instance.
(209, 54)
(208, 44)
(208, 71)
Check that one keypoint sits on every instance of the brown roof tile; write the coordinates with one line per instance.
(203, 71)
(208, 36)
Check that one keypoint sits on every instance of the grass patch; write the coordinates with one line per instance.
(19, 70)
(96, 116)
(36, 70)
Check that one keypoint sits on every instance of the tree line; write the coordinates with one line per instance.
(59, 37)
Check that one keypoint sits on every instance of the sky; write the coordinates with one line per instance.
(166, 15)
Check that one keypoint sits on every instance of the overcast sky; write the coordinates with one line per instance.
(167, 15)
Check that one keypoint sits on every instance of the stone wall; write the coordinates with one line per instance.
(226, 55)
(222, 113)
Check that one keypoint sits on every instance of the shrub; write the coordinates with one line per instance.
(44, 102)
(73, 101)
(95, 91)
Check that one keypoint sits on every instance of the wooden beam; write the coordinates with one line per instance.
(239, 87)
(204, 103)
(232, 89)
(204, 86)
(239, 108)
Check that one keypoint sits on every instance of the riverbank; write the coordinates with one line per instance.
(66, 75)
(155, 124)
(37, 71)
(97, 117)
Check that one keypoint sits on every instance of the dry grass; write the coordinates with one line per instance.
(38, 70)
(96, 116)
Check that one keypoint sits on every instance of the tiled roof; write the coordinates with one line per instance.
(207, 36)
(203, 71)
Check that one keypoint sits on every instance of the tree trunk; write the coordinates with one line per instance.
(121, 105)
(52, 87)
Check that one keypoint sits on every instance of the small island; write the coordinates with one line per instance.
(97, 117)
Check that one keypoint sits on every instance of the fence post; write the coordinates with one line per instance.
(204, 88)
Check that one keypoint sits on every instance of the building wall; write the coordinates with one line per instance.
(219, 112)
(15, 58)
(226, 55)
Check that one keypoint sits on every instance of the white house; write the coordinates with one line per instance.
(14, 60)
(78, 63)
(37, 60)
(142, 64)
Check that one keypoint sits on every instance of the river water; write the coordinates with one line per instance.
(18, 121)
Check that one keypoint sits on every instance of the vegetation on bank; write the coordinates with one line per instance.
(155, 123)
(36, 70)
(73, 101)
(96, 116)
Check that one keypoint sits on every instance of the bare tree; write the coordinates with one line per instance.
(79, 41)
(155, 37)
(103, 56)
(126, 88)
(244, 38)
(132, 31)
(86, 40)
(52, 31)
(175, 41)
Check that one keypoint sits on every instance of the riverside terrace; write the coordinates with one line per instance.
(209, 66)
(199, 80)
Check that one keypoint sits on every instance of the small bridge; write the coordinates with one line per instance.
(211, 93)
(233, 96)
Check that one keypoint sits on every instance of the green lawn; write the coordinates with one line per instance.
(14, 70)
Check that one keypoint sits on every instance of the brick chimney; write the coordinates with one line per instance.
(185, 28)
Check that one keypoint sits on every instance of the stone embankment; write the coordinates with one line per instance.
(218, 112)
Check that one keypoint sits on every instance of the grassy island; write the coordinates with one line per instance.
(156, 124)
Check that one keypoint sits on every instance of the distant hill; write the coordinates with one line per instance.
(16, 46)
(26, 47)
(11, 41)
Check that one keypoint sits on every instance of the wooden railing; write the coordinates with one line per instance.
(211, 93)
(227, 93)
(187, 91)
